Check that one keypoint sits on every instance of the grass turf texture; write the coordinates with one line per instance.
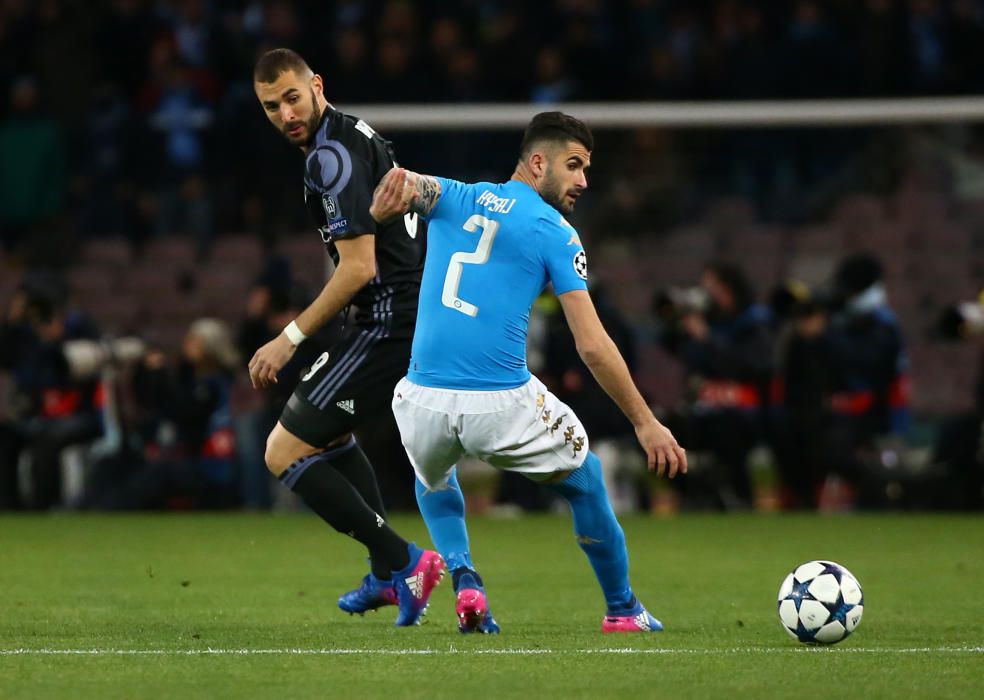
(253, 588)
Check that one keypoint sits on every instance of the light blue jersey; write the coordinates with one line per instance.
(491, 249)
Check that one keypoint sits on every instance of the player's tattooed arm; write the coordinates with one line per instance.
(427, 190)
(401, 191)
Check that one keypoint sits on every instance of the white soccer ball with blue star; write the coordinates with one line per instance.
(820, 602)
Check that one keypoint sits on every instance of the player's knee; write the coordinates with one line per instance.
(590, 475)
(556, 478)
(586, 480)
(275, 456)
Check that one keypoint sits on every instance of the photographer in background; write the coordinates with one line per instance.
(842, 385)
(804, 377)
(960, 444)
(52, 404)
(724, 339)
(185, 427)
(872, 379)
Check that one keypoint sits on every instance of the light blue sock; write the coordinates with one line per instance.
(444, 514)
(598, 532)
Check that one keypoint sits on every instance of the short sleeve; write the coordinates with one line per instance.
(563, 255)
(451, 190)
(345, 184)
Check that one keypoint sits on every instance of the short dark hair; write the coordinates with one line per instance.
(275, 62)
(857, 272)
(556, 127)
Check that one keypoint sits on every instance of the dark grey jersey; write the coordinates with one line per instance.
(345, 163)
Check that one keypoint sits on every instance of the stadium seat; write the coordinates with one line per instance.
(757, 240)
(764, 271)
(309, 262)
(694, 240)
(170, 250)
(111, 251)
(883, 238)
(238, 249)
(729, 212)
(93, 279)
(633, 300)
(224, 280)
(159, 280)
(919, 208)
(661, 270)
(942, 378)
(660, 376)
(859, 212)
(825, 238)
(114, 314)
(945, 236)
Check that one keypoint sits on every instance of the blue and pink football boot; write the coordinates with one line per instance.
(471, 606)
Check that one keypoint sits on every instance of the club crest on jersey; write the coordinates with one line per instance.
(581, 265)
(331, 207)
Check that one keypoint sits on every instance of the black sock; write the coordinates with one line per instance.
(332, 496)
(352, 463)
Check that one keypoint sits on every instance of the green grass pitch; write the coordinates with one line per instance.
(238, 606)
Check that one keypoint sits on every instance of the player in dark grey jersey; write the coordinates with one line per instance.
(377, 269)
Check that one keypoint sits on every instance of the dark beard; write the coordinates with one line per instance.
(554, 196)
(311, 124)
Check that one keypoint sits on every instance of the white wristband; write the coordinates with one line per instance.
(294, 334)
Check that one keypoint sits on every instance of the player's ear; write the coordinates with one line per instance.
(538, 163)
(317, 84)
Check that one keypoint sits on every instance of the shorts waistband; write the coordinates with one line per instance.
(470, 392)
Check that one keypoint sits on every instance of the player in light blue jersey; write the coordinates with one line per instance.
(491, 250)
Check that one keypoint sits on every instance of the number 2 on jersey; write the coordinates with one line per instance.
(480, 256)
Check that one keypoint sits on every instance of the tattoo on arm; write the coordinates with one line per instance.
(428, 192)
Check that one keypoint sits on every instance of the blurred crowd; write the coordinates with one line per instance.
(137, 118)
(135, 121)
(815, 379)
(500, 50)
(821, 377)
(161, 438)
(94, 420)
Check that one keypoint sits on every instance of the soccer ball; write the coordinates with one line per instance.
(820, 602)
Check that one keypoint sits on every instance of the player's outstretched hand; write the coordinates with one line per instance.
(269, 360)
(664, 455)
(393, 195)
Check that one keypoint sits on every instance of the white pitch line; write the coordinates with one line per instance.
(488, 652)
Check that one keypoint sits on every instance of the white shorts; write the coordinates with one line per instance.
(526, 430)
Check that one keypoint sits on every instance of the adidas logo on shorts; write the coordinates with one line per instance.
(348, 405)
